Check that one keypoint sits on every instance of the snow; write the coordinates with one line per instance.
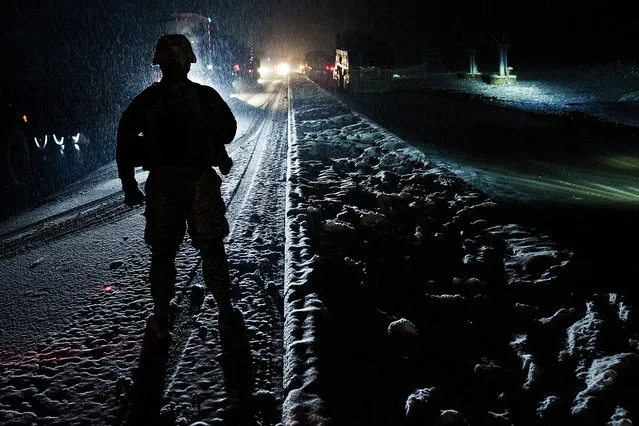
(376, 288)
(360, 197)
(607, 91)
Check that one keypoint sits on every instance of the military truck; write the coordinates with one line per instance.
(223, 62)
(363, 64)
(51, 135)
(318, 63)
(246, 72)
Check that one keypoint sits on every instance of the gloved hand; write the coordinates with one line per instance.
(133, 196)
(225, 165)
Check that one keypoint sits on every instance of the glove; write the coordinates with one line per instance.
(225, 165)
(133, 196)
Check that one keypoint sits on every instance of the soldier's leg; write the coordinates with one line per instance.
(208, 227)
(162, 277)
(164, 232)
(215, 269)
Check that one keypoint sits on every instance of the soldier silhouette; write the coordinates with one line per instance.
(177, 130)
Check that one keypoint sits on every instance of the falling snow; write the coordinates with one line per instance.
(377, 288)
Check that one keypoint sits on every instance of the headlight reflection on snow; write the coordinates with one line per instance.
(591, 190)
(42, 142)
(42, 145)
(621, 162)
(530, 94)
(255, 100)
(602, 180)
(76, 141)
(59, 142)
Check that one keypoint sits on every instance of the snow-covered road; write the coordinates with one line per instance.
(75, 296)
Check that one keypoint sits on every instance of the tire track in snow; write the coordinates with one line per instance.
(104, 210)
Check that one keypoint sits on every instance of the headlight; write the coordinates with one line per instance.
(282, 69)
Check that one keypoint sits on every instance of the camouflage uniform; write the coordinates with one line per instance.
(184, 127)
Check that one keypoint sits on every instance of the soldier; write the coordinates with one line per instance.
(177, 129)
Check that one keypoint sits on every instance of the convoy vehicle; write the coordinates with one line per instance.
(223, 62)
(363, 64)
(15, 152)
(51, 133)
(319, 64)
(246, 69)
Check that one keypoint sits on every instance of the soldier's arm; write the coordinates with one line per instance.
(224, 122)
(129, 128)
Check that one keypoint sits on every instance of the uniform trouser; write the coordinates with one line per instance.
(177, 198)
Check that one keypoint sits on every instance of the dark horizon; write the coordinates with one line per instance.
(96, 33)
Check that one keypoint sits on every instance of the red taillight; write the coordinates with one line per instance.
(236, 67)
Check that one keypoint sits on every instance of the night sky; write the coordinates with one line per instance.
(79, 35)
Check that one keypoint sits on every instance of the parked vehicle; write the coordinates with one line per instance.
(51, 133)
(319, 64)
(15, 152)
(246, 69)
(363, 64)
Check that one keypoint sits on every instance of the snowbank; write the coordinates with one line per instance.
(378, 236)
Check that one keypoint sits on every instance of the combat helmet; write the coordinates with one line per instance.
(173, 48)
